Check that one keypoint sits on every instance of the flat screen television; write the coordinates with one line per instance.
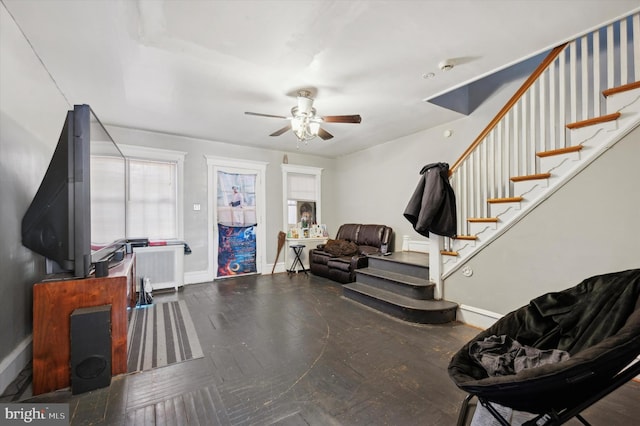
(67, 222)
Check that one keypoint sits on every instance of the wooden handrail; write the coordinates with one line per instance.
(515, 98)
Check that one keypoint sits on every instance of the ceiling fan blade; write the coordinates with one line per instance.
(265, 115)
(324, 134)
(281, 131)
(342, 118)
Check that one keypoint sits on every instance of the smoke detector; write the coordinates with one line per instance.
(446, 65)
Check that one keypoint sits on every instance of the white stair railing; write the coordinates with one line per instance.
(567, 88)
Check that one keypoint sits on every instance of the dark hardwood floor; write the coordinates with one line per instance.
(290, 350)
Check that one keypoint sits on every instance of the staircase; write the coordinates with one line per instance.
(399, 285)
(583, 98)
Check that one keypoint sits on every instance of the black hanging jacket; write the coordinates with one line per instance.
(432, 207)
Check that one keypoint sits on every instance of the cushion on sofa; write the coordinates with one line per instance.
(340, 248)
(370, 235)
(349, 232)
(340, 263)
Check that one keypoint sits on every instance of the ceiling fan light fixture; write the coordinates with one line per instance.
(296, 124)
(303, 129)
(314, 128)
(305, 105)
(304, 123)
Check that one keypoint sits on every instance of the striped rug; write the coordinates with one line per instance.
(161, 334)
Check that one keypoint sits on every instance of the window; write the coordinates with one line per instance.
(154, 199)
(301, 189)
(152, 203)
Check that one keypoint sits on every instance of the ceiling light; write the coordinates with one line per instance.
(305, 126)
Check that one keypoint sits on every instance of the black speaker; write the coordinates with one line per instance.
(102, 269)
(90, 348)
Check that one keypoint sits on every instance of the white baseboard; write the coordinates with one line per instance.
(421, 246)
(197, 277)
(477, 317)
(280, 267)
(15, 362)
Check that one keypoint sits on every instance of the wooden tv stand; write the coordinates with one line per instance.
(53, 302)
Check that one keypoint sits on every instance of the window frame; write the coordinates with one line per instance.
(316, 172)
(143, 153)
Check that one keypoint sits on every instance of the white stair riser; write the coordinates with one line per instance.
(583, 134)
(528, 187)
(557, 164)
(503, 210)
(628, 101)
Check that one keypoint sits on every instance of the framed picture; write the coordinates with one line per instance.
(306, 213)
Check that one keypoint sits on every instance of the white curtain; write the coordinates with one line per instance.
(152, 206)
(107, 199)
(300, 187)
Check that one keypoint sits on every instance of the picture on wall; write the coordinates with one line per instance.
(306, 213)
(236, 217)
(236, 250)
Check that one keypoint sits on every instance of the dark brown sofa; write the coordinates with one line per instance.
(329, 262)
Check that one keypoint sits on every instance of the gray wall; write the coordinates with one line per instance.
(374, 186)
(195, 185)
(588, 227)
(32, 112)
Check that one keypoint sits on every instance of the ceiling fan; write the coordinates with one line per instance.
(305, 123)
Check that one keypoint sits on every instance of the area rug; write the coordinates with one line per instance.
(161, 334)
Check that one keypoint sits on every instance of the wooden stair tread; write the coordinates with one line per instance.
(482, 219)
(395, 277)
(465, 237)
(531, 177)
(399, 300)
(620, 89)
(559, 151)
(448, 253)
(412, 258)
(504, 200)
(595, 120)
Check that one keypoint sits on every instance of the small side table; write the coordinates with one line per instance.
(297, 260)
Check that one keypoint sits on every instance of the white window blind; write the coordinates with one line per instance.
(301, 187)
(107, 199)
(152, 202)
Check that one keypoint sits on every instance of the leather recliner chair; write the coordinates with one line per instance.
(341, 268)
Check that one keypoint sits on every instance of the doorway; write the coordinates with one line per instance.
(236, 217)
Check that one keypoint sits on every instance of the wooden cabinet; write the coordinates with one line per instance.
(53, 302)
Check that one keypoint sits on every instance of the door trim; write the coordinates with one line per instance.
(234, 165)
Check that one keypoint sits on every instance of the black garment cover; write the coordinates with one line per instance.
(432, 207)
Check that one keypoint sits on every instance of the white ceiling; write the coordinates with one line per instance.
(193, 68)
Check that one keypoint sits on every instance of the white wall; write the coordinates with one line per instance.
(588, 227)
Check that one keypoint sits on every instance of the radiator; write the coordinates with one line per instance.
(163, 265)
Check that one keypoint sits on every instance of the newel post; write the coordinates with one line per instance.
(436, 244)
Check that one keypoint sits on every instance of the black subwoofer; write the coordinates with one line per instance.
(90, 348)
